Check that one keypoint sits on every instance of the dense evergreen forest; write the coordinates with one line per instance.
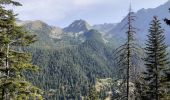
(68, 68)
(84, 66)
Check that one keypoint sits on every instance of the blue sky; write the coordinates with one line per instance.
(63, 12)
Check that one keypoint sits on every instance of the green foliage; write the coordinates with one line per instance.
(67, 72)
(41, 30)
(156, 62)
(13, 61)
(93, 94)
(6, 2)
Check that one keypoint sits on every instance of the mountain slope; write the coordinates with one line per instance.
(49, 36)
(105, 28)
(142, 21)
(77, 26)
(68, 71)
(42, 31)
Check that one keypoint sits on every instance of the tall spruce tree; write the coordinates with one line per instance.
(127, 60)
(156, 63)
(167, 21)
(168, 71)
(13, 60)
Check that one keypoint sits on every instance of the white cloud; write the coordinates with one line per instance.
(62, 12)
(50, 10)
(86, 2)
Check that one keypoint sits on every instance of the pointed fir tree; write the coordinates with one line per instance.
(126, 59)
(156, 63)
(13, 60)
(167, 21)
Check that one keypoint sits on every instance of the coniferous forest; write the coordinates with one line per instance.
(84, 62)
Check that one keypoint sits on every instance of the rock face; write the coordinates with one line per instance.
(78, 26)
(105, 28)
(114, 89)
(103, 83)
(55, 32)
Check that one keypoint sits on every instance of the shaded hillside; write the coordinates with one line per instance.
(42, 31)
(68, 71)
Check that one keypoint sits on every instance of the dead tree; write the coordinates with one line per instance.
(126, 58)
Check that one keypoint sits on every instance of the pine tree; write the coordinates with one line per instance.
(13, 60)
(156, 63)
(168, 71)
(126, 59)
(93, 94)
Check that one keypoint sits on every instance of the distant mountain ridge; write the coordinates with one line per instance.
(78, 26)
(142, 21)
(50, 36)
(117, 31)
(106, 27)
(73, 57)
(38, 24)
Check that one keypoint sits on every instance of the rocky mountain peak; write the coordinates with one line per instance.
(78, 26)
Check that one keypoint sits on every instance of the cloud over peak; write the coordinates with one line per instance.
(62, 12)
